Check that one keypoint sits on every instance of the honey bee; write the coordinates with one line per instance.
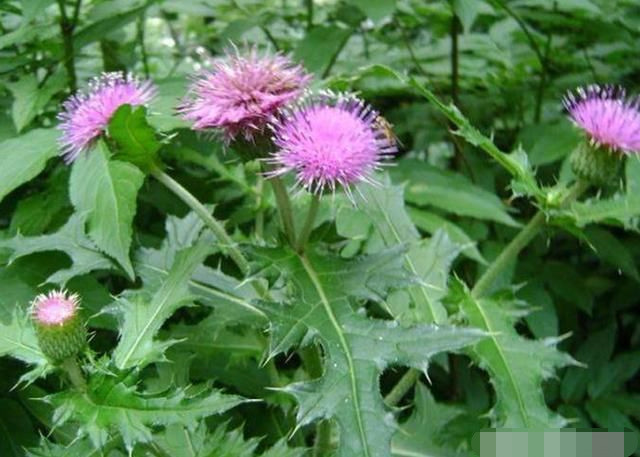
(386, 128)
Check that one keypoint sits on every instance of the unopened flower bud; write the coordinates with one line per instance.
(59, 327)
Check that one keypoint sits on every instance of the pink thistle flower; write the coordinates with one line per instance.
(607, 116)
(240, 93)
(329, 141)
(86, 116)
(55, 308)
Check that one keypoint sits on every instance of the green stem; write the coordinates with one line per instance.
(402, 387)
(67, 27)
(486, 280)
(528, 233)
(284, 206)
(71, 367)
(309, 5)
(259, 227)
(215, 226)
(303, 237)
(141, 43)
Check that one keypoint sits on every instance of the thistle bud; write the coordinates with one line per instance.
(59, 328)
(596, 165)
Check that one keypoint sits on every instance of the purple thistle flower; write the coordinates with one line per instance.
(240, 93)
(607, 116)
(329, 141)
(86, 116)
(55, 308)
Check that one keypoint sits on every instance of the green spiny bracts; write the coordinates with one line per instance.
(596, 164)
(59, 327)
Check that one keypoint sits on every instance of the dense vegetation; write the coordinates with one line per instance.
(480, 283)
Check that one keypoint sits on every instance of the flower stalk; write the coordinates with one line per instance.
(216, 227)
(486, 281)
(74, 373)
(308, 224)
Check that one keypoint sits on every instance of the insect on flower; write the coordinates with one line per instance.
(329, 141)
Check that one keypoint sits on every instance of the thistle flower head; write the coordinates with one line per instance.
(55, 308)
(607, 116)
(330, 140)
(238, 94)
(86, 115)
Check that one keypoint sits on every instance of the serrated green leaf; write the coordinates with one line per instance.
(429, 263)
(144, 312)
(431, 223)
(70, 239)
(18, 340)
(231, 297)
(24, 157)
(623, 208)
(110, 406)
(106, 191)
(517, 366)
(451, 192)
(357, 349)
(180, 442)
(421, 434)
(136, 139)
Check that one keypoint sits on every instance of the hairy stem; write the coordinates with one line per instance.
(303, 237)
(528, 233)
(73, 371)
(402, 387)
(216, 227)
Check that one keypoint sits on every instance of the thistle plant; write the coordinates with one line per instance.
(352, 296)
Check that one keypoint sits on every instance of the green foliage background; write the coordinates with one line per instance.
(188, 360)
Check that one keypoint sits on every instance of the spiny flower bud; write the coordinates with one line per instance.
(59, 327)
(594, 164)
(611, 123)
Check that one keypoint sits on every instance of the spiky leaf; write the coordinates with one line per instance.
(71, 240)
(357, 349)
(429, 262)
(180, 442)
(144, 312)
(18, 340)
(517, 365)
(106, 191)
(109, 406)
